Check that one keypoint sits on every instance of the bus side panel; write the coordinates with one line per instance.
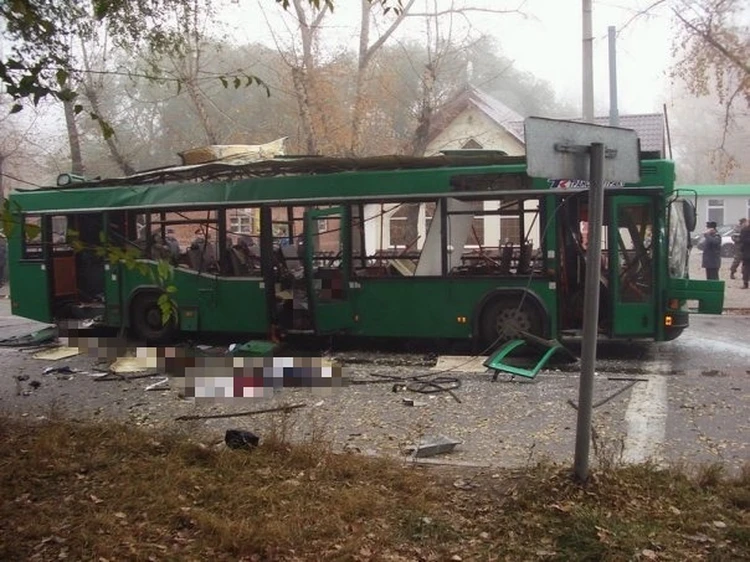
(431, 307)
(29, 282)
(222, 304)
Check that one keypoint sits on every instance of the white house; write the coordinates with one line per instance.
(724, 204)
(475, 120)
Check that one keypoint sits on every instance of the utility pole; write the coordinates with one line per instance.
(588, 64)
(614, 113)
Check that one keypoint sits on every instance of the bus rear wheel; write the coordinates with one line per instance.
(146, 319)
(504, 319)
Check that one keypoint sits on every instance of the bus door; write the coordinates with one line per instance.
(632, 266)
(327, 251)
(30, 269)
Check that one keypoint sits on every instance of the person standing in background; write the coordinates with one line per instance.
(712, 251)
(737, 247)
(3, 259)
(745, 246)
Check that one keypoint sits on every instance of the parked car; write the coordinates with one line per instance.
(727, 244)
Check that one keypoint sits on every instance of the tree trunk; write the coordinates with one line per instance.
(114, 149)
(303, 103)
(426, 110)
(196, 98)
(74, 139)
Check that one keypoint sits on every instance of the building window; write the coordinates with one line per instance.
(322, 225)
(715, 211)
(241, 222)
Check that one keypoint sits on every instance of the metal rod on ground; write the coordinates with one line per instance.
(590, 311)
(237, 414)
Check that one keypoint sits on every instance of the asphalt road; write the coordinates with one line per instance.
(684, 401)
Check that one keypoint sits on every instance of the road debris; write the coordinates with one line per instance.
(433, 445)
(608, 398)
(241, 439)
(57, 353)
(36, 338)
(159, 385)
(65, 370)
(237, 414)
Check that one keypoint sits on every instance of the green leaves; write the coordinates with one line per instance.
(31, 231)
(9, 217)
(104, 125)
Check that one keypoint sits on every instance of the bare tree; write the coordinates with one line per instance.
(93, 85)
(74, 138)
(714, 58)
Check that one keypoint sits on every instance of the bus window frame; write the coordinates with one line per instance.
(42, 255)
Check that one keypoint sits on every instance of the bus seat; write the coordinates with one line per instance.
(524, 259)
(291, 257)
(240, 267)
(506, 256)
(199, 261)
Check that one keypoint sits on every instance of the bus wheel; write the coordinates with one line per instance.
(146, 319)
(502, 320)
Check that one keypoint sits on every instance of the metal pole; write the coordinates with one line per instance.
(588, 64)
(590, 312)
(614, 114)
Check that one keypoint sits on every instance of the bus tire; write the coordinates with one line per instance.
(671, 334)
(502, 319)
(146, 319)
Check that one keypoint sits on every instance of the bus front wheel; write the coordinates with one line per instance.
(504, 319)
(146, 319)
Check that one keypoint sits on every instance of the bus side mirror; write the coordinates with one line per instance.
(688, 209)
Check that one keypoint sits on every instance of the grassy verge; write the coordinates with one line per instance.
(109, 492)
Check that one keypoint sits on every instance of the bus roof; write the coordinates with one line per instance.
(292, 181)
(230, 169)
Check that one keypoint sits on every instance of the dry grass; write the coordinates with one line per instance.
(108, 492)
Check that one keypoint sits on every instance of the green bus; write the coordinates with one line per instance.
(452, 246)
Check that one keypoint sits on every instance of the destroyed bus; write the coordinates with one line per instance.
(445, 247)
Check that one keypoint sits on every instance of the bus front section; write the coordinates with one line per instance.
(685, 295)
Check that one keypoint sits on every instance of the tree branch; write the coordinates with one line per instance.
(708, 37)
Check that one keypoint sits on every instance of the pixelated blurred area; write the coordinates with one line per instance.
(240, 371)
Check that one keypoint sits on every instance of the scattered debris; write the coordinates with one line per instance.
(116, 376)
(159, 385)
(237, 414)
(57, 353)
(610, 397)
(253, 348)
(433, 445)
(412, 402)
(129, 365)
(241, 439)
(37, 338)
(61, 370)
